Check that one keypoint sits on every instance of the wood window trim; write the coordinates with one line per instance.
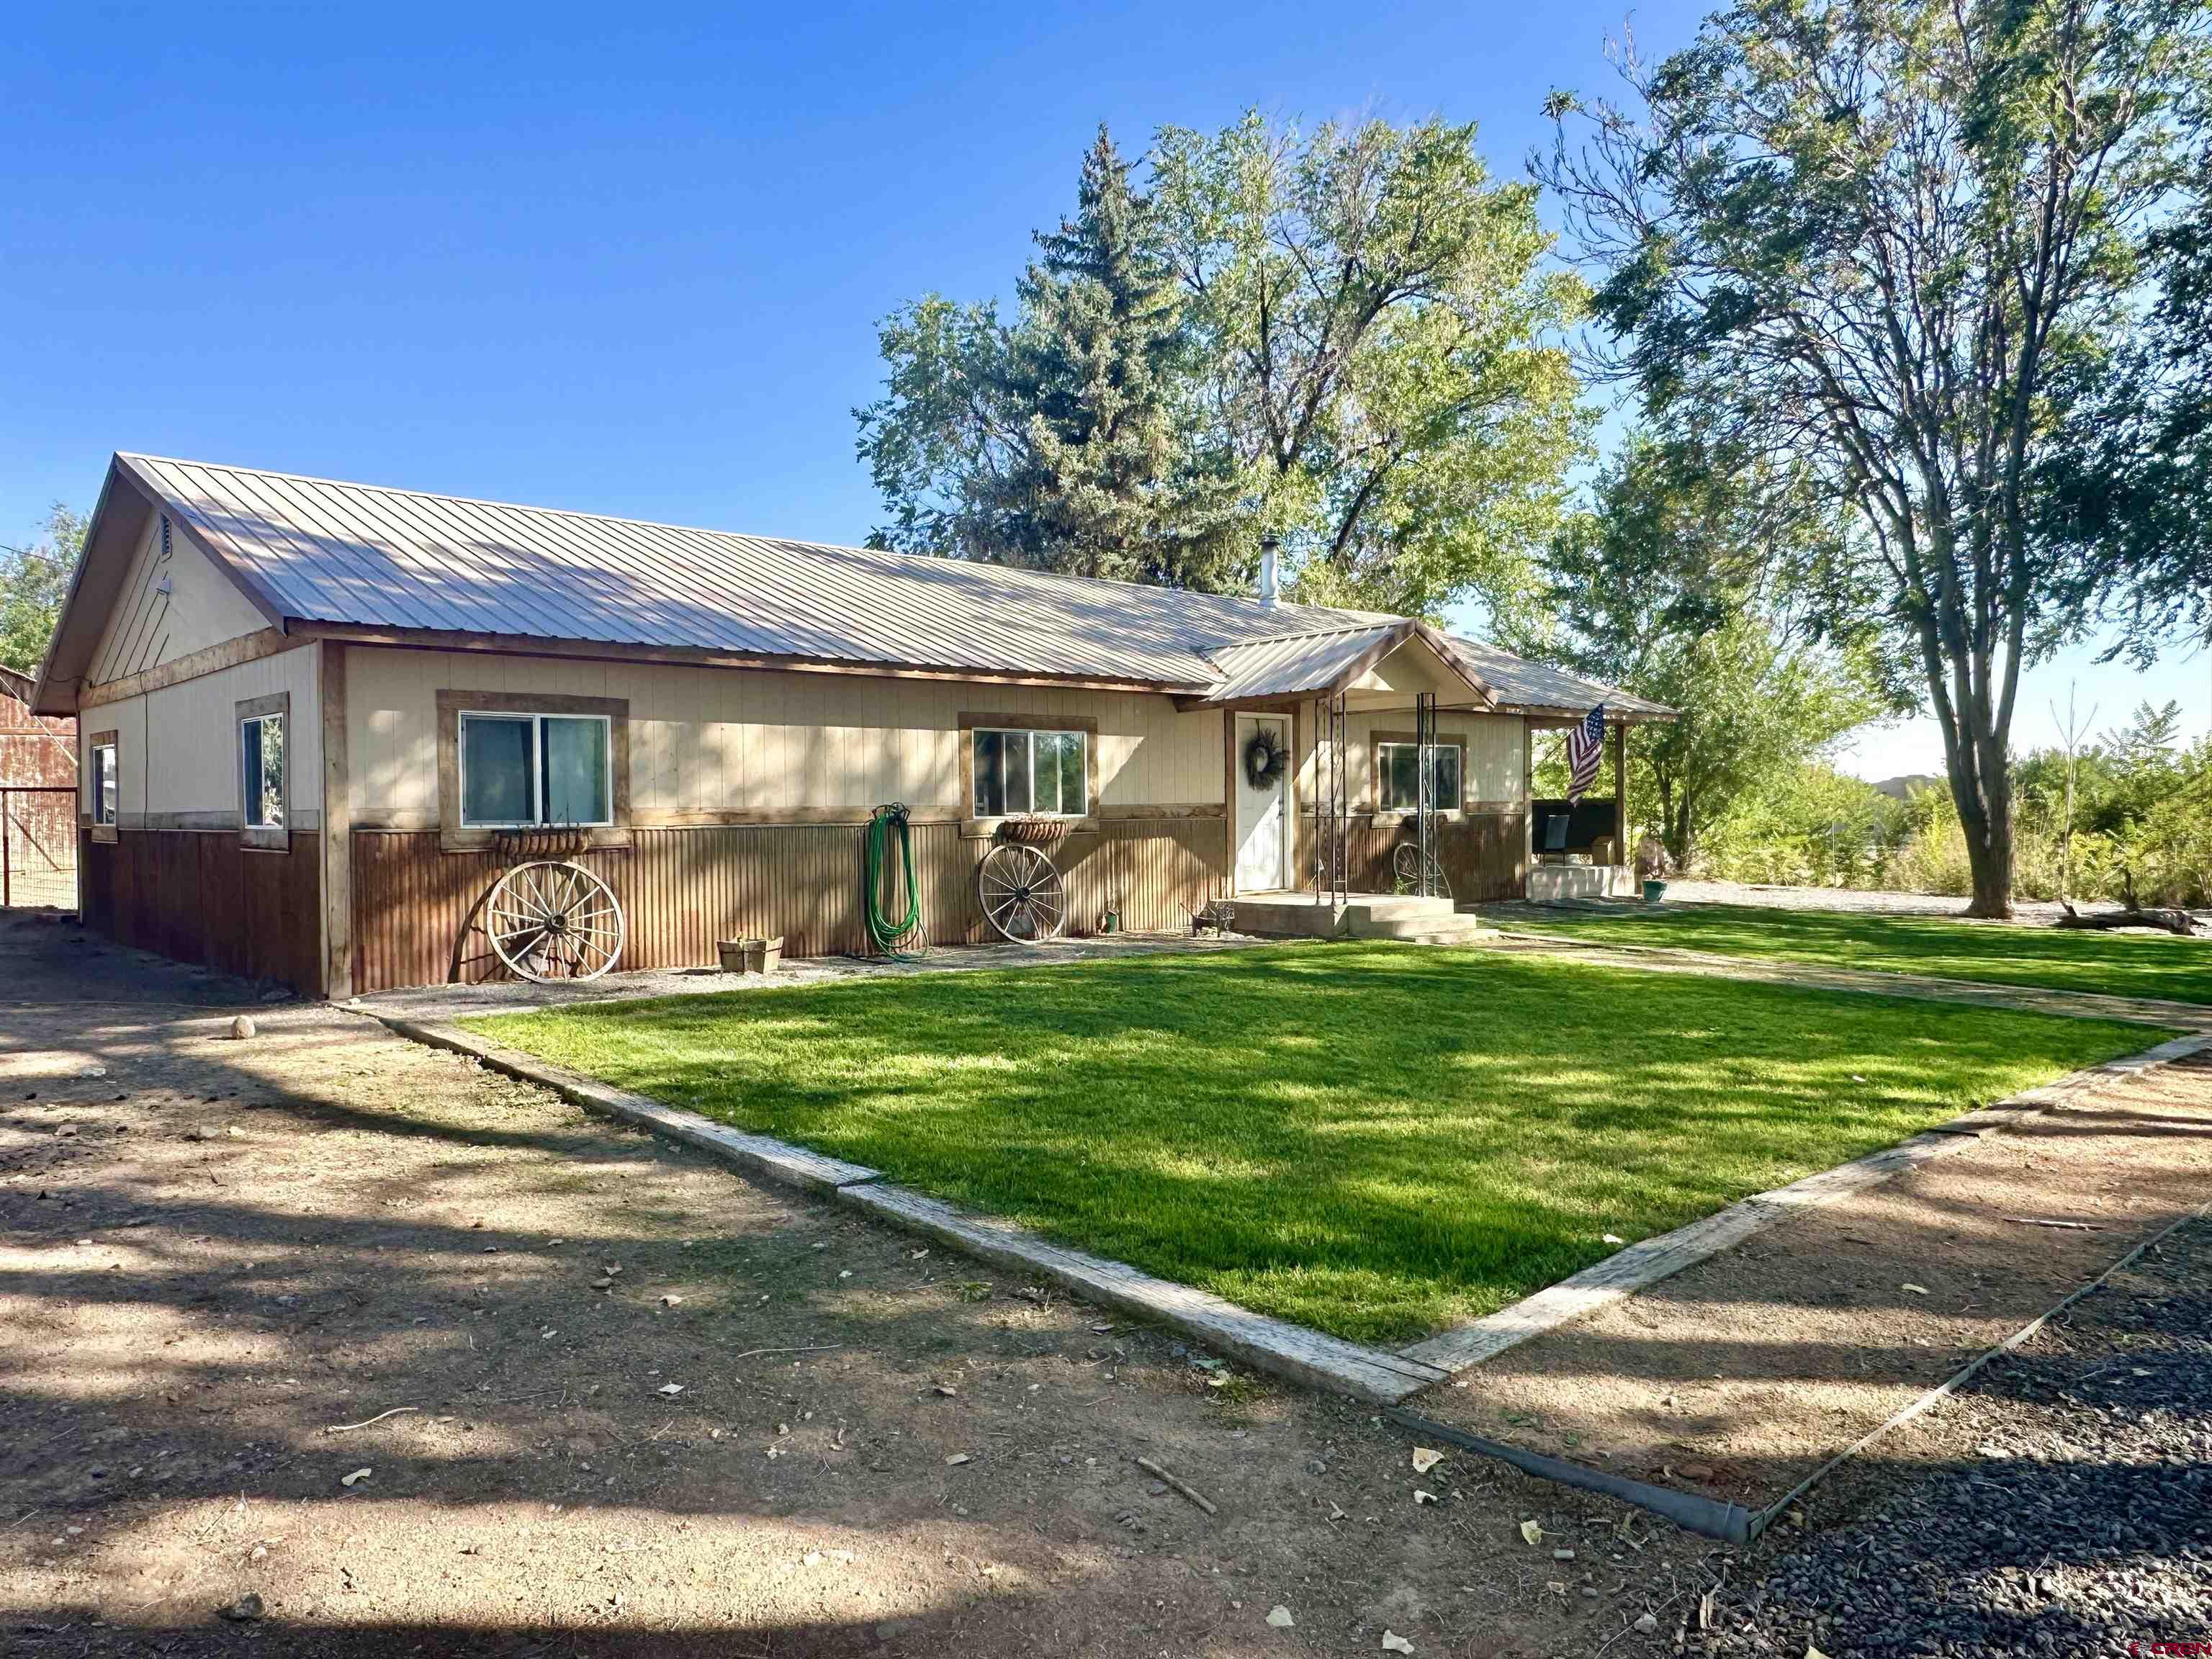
(262, 838)
(105, 834)
(1382, 814)
(983, 829)
(452, 837)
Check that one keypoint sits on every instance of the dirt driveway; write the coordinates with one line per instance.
(612, 1398)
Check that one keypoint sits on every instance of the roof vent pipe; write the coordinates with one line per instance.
(1268, 592)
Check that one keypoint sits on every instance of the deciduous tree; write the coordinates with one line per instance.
(34, 582)
(1675, 586)
(1874, 235)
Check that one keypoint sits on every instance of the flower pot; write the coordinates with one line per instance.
(1654, 891)
(763, 956)
(731, 951)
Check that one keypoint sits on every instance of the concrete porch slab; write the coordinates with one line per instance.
(1365, 915)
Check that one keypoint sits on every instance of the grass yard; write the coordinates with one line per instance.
(2121, 965)
(1379, 1140)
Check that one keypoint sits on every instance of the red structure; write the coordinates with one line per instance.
(38, 800)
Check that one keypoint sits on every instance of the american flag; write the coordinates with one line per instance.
(1585, 749)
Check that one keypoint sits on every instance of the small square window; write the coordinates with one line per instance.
(1025, 774)
(1397, 777)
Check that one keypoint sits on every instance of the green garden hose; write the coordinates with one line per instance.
(890, 937)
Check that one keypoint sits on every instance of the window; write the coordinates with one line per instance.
(99, 778)
(1397, 777)
(1030, 773)
(535, 768)
(261, 770)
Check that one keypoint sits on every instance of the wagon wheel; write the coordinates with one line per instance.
(1024, 898)
(548, 921)
(1406, 871)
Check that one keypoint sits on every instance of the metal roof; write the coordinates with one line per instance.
(1536, 688)
(16, 684)
(321, 551)
(402, 564)
(1297, 664)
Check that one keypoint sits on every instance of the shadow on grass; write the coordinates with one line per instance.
(1375, 1139)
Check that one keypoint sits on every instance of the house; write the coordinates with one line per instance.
(37, 804)
(317, 719)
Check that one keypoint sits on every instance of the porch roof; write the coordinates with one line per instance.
(1307, 664)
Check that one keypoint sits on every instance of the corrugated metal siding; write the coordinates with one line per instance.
(329, 552)
(682, 889)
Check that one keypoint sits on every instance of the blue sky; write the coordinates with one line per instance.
(631, 261)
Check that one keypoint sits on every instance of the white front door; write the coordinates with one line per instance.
(1263, 812)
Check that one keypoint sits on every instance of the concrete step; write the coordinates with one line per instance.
(1427, 930)
(1366, 916)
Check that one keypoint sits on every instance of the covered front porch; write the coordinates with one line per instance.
(1378, 779)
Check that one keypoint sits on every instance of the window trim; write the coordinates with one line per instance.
(454, 836)
(104, 832)
(1378, 741)
(263, 837)
(976, 826)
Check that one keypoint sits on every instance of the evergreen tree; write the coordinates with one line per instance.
(1097, 361)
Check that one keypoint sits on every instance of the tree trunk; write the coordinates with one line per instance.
(1682, 831)
(1981, 786)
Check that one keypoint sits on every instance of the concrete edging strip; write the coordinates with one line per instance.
(1873, 981)
(1277, 1345)
(1270, 1345)
(761, 1155)
(1646, 1262)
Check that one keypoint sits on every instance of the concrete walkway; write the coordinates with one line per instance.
(1513, 934)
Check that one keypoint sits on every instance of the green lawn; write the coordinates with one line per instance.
(2125, 964)
(1379, 1140)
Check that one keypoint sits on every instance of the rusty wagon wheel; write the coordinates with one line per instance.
(1024, 897)
(1406, 871)
(550, 920)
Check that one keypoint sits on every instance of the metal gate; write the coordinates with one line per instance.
(38, 845)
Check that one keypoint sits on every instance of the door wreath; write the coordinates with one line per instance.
(1265, 757)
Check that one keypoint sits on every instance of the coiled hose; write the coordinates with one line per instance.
(890, 937)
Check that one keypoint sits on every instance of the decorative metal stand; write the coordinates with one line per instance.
(1415, 867)
(1332, 867)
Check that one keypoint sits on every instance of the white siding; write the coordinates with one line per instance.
(148, 626)
(1494, 743)
(177, 748)
(743, 740)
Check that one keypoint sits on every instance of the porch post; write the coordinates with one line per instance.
(1620, 792)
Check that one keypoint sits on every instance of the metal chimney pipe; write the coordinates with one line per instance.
(1268, 593)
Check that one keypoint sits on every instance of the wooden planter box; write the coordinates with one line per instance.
(750, 956)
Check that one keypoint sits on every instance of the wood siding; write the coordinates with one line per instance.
(38, 832)
(684, 888)
(201, 897)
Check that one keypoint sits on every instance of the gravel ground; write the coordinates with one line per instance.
(2072, 1516)
(2033, 912)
